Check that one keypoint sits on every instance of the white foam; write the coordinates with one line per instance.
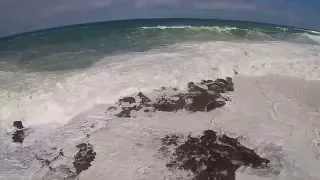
(216, 28)
(56, 98)
(307, 30)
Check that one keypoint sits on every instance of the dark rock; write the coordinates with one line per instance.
(170, 105)
(144, 99)
(202, 101)
(129, 100)
(210, 157)
(214, 104)
(191, 85)
(18, 124)
(126, 111)
(83, 159)
(221, 85)
(204, 97)
(170, 140)
(18, 136)
(196, 89)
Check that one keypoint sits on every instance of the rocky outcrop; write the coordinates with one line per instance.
(204, 96)
(83, 159)
(210, 156)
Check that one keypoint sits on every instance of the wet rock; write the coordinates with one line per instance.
(170, 105)
(192, 88)
(144, 99)
(170, 140)
(221, 85)
(18, 124)
(19, 135)
(210, 156)
(129, 100)
(83, 159)
(126, 111)
(204, 96)
(205, 102)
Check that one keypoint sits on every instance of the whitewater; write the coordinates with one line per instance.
(274, 108)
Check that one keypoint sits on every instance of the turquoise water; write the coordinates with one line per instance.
(79, 46)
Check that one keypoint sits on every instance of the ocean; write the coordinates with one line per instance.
(62, 82)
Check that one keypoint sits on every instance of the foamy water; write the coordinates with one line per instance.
(35, 97)
(277, 116)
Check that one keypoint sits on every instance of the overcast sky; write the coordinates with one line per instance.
(25, 15)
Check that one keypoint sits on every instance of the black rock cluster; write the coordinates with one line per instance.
(210, 157)
(204, 96)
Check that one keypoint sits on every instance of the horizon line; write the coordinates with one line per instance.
(139, 19)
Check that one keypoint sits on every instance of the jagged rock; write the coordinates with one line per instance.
(210, 157)
(221, 85)
(200, 102)
(83, 159)
(18, 124)
(129, 100)
(170, 105)
(144, 99)
(204, 96)
(126, 111)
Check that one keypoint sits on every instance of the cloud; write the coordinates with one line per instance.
(155, 3)
(199, 4)
(78, 6)
(224, 5)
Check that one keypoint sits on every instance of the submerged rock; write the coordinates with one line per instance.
(19, 135)
(83, 159)
(210, 157)
(51, 161)
(204, 96)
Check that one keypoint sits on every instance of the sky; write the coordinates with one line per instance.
(18, 16)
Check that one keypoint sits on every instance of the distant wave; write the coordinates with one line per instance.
(270, 33)
(217, 28)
